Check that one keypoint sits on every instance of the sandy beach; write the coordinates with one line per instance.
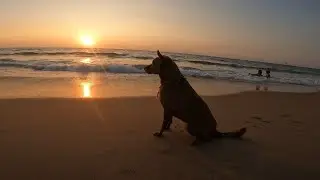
(112, 139)
(81, 83)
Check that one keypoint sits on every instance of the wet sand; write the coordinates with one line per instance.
(112, 139)
(125, 86)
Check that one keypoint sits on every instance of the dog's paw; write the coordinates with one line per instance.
(168, 130)
(157, 134)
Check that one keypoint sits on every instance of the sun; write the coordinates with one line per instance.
(87, 40)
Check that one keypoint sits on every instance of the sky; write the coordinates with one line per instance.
(268, 30)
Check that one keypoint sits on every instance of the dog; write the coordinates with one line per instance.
(180, 100)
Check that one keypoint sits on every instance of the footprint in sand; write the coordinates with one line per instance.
(127, 172)
(291, 121)
(261, 120)
(265, 121)
(257, 122)
(255, 126)
(252, 124)
(297, 125)
(296, 122)
(285, 115)
(256, 117)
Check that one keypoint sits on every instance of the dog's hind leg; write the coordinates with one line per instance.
(201, 137)
(167, 120)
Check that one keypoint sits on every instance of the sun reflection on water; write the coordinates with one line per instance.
(86, 61)
(86, 89)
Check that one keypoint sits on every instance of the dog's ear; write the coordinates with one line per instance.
(160, 55)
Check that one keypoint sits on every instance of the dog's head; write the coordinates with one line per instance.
(164, 66)
(155, 67)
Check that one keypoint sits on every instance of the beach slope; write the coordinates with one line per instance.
(112, 139)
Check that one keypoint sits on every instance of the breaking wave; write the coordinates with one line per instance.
(69, 66)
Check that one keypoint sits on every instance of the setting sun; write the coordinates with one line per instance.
(87, 40)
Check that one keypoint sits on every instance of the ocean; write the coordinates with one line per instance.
(70, 63)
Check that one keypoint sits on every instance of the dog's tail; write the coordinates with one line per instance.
(233, 134)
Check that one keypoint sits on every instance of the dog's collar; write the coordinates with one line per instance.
(181, 79)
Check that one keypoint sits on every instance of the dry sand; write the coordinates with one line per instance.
(64, 139)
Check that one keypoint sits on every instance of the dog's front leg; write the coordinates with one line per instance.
(167, 120)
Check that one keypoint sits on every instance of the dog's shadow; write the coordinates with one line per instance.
(225, 157)
(233, 157)
(229, 149)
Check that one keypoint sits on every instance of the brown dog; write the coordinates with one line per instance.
(180, 100)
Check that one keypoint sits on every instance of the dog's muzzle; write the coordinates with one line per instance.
(147, 69)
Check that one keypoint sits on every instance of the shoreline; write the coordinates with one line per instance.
(154, 97)
(99, 87)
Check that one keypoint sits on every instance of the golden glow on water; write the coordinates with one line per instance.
(86, 61)
(86, 89)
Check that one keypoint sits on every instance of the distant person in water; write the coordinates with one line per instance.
(258, 74)
(268, 73)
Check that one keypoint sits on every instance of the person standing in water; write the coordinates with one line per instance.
(266, 88)
(268, 74)
(258, 74)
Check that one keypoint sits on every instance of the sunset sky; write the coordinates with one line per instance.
(271, 30)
